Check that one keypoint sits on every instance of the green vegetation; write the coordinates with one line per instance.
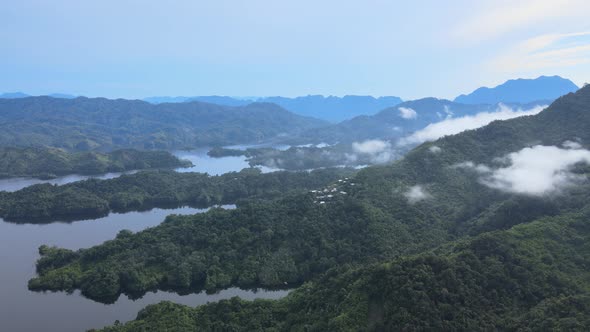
(218, 152)
(532, 277)
(298, 158)
(84, 124)
(51, 162)
(463, 257)
(94, 198)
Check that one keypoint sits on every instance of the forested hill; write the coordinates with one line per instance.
(51, 162)
(400, 120)
(104, 124)
(446, 238)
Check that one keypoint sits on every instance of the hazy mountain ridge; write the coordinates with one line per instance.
(104, 124)
(401, 120)
(521, 90)
(329, 108)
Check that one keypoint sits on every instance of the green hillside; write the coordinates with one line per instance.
(83, 124)
(51, 162)
(434, 241)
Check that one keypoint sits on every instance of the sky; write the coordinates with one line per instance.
(411, 49)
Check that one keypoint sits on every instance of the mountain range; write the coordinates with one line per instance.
(484, 230)
(105, 124)
(543, 88)
(401, 120)
(330, 108)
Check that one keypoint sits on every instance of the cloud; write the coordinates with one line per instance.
(488, 22)
(434, 149)
(452, 126)
(379, 151)
(545, 51)
(407, 113)
(537, 170)
(416, 194)
(571, 145)
(370, 146)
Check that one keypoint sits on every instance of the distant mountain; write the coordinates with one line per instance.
(521, 90)
(398, 121)
(105, 124)
(333, 109)
(13, 95)
(62, 95)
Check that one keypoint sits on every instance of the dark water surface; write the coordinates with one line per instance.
(23, 310)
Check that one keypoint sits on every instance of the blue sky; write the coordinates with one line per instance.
(134, 49)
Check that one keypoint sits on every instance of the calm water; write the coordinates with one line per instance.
(202, 164)
(22, 310)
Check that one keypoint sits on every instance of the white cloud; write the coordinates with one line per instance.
(571, 145)
(379, 151)
(452, 126)
(543, 52)
(501, 17)
(537, 170)
(370, 146)
(434, 149)
(407, 113)
(416, 194)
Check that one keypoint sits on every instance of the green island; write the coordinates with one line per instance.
(145, 190)
(219, 152)
(46, 163)
(298, 158)
(419, 244)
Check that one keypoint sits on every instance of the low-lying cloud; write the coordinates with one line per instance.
(416, 194)
(452, 126)
(378, 151)
(537, 170)
(407, 113)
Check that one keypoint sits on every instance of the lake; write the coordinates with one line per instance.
(23, 310)
(202, 164)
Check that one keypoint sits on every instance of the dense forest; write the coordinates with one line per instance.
(532, 277)
(83, 124)
(307, 157)
(376, 255)
(145, 190)
(51, 162)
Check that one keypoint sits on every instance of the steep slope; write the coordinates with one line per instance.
(103, 124)
(546, 88)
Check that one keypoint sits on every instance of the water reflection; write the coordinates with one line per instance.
(201, 161)
(22, 310)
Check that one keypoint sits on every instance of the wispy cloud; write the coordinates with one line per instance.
(407, 113)
(497, 18)
(378, 151)
(538, 170)
(545, 52)
(453, 126)
(416, 194)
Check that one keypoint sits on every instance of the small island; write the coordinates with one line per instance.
(46, 162)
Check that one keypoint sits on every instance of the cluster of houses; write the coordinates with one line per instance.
(325, 195)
